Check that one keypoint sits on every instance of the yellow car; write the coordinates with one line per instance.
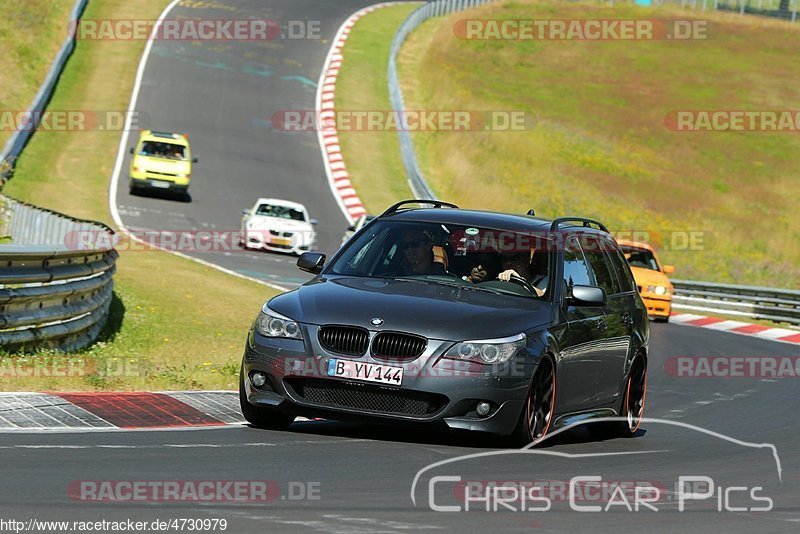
(651, 278)
(161, 160)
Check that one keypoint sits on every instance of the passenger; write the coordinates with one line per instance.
(417, 248)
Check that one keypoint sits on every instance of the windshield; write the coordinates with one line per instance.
(515, 263)
(282, 212)
(155, 149)
(640, 257)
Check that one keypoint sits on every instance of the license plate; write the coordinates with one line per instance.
(365, 372)
(281, 241)
(158, 183)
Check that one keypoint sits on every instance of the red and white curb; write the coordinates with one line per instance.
(119, 410)
(783, 335)
(335, 168)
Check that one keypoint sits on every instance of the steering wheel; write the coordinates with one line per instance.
(524, 283)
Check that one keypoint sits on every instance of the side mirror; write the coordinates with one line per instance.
(351, 228)
(311, 262)
(131, 150)
(245, 212)
(588, 296)
(314, 221)
(668, 269)
(194, 160)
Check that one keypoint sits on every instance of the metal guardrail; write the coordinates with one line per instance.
(416, 180)
(766, 8)
(18, 140)
(56, 287)
(766, 303)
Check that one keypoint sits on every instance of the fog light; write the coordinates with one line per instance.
(483, 409)
(258, 379)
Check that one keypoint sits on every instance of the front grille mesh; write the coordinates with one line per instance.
(344, 339)
(397, 346)
(336, 393)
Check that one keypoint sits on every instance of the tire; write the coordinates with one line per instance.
(661, 319)
(631, 407)
(258, 416)
(537, 414)
(635, 396)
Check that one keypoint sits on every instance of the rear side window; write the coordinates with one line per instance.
(599, 263)
(621, 268)
(576, 270)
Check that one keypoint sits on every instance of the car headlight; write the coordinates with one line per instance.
(487, 351)
(658, 290)
(272, 324)
(183, 175)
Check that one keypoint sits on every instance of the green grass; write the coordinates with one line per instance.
(30, 35)
(175, 324)
(362, 84)
(599, 147)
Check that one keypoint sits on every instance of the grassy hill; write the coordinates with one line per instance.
(30, 35)
(599, 146)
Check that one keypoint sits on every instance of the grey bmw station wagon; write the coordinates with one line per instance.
(514, 325)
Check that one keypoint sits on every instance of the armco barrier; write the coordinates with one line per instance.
(767, 303)
(53, 294)
(19, 139)
(416, 180)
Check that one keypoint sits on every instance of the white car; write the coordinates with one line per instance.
(279, 225)
(356, 226)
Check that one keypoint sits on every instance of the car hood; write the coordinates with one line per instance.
(278, 223)
(433, 310)
(649, 277)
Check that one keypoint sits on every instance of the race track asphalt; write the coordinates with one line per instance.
(363, 475)
(224, 95)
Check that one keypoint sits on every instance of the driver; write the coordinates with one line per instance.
(417, 248)
(519, 264)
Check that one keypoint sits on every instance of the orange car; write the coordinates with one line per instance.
(651, 278)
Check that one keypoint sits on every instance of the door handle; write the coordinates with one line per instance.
(601, 324)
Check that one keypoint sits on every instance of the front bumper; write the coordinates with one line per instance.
(658, 306)
(163, 184)
(435, 392)
(265, 240)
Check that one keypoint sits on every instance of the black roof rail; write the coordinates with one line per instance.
(436, 204)
(586, 223)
